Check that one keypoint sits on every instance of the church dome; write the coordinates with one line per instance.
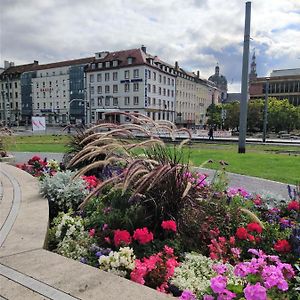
(218, 79)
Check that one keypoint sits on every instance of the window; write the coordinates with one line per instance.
(115, 76)
(100, 65)
(129, 60)
(115, 63)
(38, 105)
(115, 101)
(168, 93)
(159, 102)
(115, 88)
(44, 104)
(44, 95)
(149, 88)
(99, 77)
(37, 95)
(172, 93)
(16, 84)
(92, 102)
(165, 80)
(107, 64)
(149, 74)
(92, 90)
(107, 89)
(127, 101)
(169, 81)
(106, 76)
(100, 101)
(153, 89)
(107, 101)
(126, 74)
(164, 92)
(154, 75)
(135, 100)
(136, 87)
(159, 79)
(10, 85)
(126, 87)
(159, 91)
(16, 94)
(149, 101)
(91, 78)
(136, 73)
(153, 101)
(99, 89)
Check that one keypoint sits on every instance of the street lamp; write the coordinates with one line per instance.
(266, 110)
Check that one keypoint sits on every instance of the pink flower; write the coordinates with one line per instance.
(121, 237)
(218, 284)
(187, 295)
(168, 250)
(92, 232)
(169, 225)
(142, 235)
(208, 297)
(255, 292)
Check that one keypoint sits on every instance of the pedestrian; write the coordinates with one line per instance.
(211, 133)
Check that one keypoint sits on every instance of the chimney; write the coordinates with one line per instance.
(36, 62)
(176, 65)
(198, 74)
(144, 49)
(6, 64)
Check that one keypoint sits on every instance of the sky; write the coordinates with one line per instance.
(196, 33)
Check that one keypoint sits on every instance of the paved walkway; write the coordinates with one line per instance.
(253, 184)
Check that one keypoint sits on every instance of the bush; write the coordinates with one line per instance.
(63, 192)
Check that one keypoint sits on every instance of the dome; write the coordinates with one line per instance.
(218, 79)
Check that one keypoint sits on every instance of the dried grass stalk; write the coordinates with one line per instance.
(186, 191)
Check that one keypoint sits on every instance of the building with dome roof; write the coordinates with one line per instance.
(221, 82)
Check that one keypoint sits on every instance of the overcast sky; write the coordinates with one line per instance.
(197, 33)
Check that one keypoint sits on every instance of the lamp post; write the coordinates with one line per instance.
(266, 110)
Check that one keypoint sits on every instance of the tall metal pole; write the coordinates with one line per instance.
(244, 98)
(266, 111)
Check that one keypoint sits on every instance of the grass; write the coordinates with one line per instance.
(263, 161)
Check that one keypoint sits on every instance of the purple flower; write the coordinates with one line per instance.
(220, 268)
(255, 292)
(218, 284)
(83, 260)
(99, 253)
(187, 295)
(208, 297)
(105, 227)
(226, 295)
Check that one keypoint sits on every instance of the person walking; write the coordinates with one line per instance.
(211, 133)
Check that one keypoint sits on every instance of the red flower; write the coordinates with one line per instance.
(169, 225)
(122, 237)
(254, 227)
(232, 240)
(251, 238)
(294, 205)
(282, 246)
(242, 233)
(142, 235)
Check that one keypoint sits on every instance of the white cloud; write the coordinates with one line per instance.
(197, 33)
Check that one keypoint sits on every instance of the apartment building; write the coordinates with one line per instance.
(10, 92)
(130, 81)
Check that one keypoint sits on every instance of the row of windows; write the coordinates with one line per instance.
(50, 83)
(284, 87)
(10, 95)
(50, 94)
(9, 85)
(165, 104)
(50, 105)
(107, 76)
(101, 101)
(115, 89)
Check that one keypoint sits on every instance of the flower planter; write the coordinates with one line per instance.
(10, 159)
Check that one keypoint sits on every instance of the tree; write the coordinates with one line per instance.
(255, 115)
(214, 115)
(232, 115)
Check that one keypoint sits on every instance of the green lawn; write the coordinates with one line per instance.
(260, 160)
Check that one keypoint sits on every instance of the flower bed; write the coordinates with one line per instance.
(136, 209)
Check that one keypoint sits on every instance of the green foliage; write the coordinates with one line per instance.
(214, 115)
